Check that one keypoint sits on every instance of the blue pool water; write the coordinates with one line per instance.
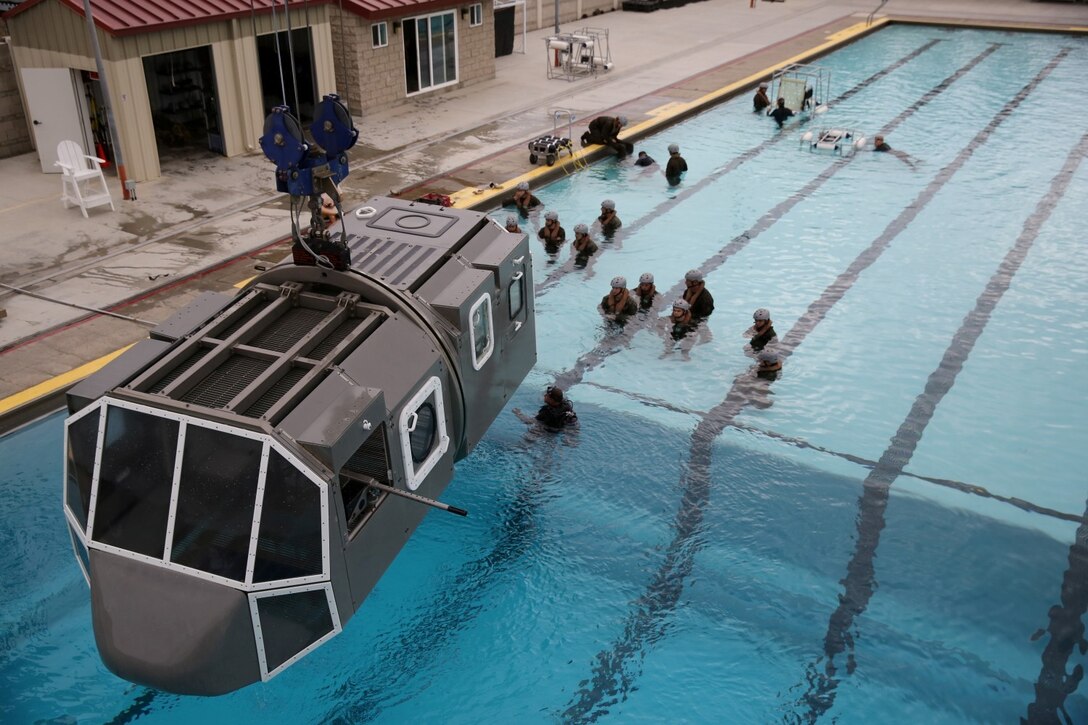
(883, 535)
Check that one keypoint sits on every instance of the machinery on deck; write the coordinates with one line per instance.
(236, 484)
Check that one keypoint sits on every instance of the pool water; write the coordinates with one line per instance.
(892, 532)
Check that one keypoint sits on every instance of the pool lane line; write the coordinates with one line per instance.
(616, 343)
(454, 606)
(860, 580)
(685, 192)
(645, 625)
(1066, 632)
(961, 486)
(472, 197)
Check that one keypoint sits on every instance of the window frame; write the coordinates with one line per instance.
(414, 20)
(414, 474)
(478, 361)
(379, 34)
(475, 15)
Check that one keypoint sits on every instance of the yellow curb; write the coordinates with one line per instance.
(60, 382)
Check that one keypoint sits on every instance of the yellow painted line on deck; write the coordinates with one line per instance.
(661, 116)
(671, 105)
(244, 282)
(60, 382)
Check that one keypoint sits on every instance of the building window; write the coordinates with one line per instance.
(379, 34)
(430, 52)
(476, 14)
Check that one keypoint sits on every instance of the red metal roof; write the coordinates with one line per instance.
(126, 17)
(382, 9)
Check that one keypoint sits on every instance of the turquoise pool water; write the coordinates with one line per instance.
(892, 532)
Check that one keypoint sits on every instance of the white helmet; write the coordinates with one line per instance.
(581, 229)
(761, 314)
(551, 216)
(618, 282)
(681, 304)
(693, 275)
(523, 186)
(767, 355)
(622, 120)
(646, 278)
(608, 204)
(511, 220)
(674, 148)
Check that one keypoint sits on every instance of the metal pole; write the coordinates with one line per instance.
(556, 16)
(369, 481)
(118, 158)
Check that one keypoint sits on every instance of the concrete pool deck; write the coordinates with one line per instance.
(210, 220)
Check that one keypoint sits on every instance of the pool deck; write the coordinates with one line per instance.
(209, 220)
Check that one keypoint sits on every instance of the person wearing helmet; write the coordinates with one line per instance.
(583, 246)
(512, 224)
(761, 100)
(524, 199)
(605, 130)
(762, 330)
(780, 113)
(678, 326)
(697, 295)
(676, 166)
(644, 159)
(618, 304)
(770, 365)
(646, 292)
(552, 234)
(608, 219)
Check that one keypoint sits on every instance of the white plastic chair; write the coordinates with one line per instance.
(83, 184)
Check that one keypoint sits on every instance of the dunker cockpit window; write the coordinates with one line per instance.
(215, 502)
(224, 503)
(134, 482)
(483, 339)
(423, 432)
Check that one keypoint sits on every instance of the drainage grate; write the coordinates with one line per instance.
(291, 327)
(226, 381)
(174, 374)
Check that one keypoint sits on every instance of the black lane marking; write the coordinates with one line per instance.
(646, 624)
(1066, 631)
(860, 578)
(961, 486)
(567, 267)
(365, 694)
(615, 343)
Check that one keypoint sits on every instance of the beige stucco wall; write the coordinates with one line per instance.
(50, 35)
(373, 78)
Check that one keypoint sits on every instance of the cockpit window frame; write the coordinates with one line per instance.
(414, 474)
(86, 538)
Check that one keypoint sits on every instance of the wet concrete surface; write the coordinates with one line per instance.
(209, 219)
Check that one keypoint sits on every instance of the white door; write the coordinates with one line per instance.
(55, 112)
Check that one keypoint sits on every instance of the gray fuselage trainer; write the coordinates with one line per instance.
(226, 480)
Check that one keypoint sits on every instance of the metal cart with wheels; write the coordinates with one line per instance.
(549, 148)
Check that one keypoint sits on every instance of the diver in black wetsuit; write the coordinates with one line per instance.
(556, 414)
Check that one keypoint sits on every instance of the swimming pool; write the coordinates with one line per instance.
(880, 536)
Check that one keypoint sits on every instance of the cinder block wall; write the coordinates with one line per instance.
(14, 132)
